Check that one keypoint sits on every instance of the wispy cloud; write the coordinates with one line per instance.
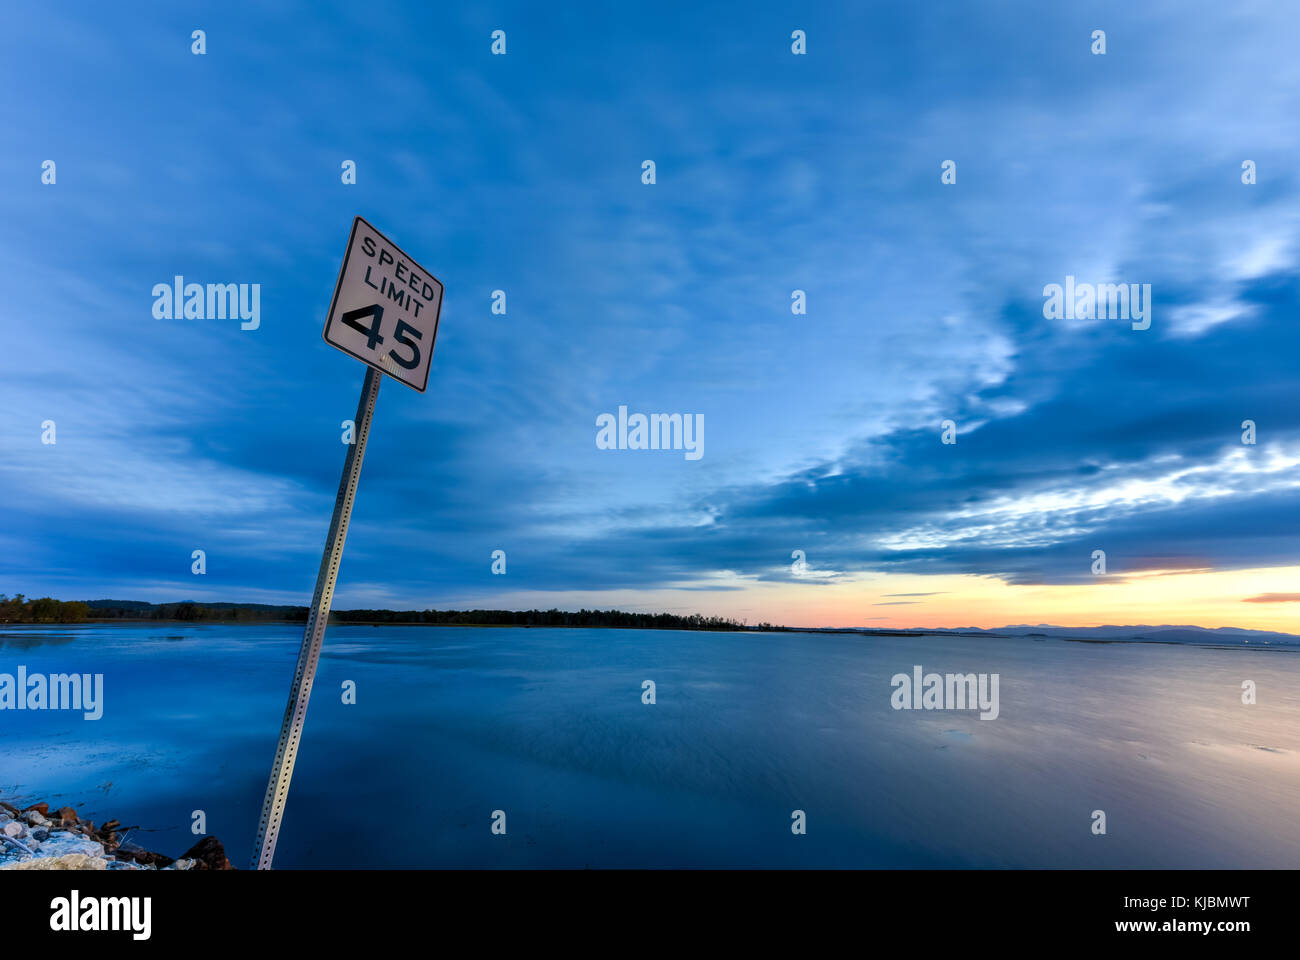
(924, 301)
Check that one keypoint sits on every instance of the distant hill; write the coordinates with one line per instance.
(1164, 633)
(144, 605)
(1217, 636)
(119, 604)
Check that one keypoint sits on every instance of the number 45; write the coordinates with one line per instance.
(375, 312)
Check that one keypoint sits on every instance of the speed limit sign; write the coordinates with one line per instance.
(385, 308)
(384, 313)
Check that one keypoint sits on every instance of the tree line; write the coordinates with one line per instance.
(19, 609)
(47, 610)
(542, 618)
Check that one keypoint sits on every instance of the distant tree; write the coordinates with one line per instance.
(44, 610)
(74, 611)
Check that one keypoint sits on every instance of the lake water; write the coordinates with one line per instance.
(548, 725)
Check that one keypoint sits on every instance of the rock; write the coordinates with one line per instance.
(62, 842)
(10, 809)
(110, 826)
(182, 864)
(13, 829)
(209, 854)
(66, 814)
(11, 849)
(34, 818)
(40, 834)
(42, 808)
(71, 861)
(135, 853)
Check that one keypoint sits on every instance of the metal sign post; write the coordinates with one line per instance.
(295, 713)
(376, 275)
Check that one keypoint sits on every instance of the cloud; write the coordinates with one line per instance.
(924, 302)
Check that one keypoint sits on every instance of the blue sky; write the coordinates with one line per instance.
(775, 172)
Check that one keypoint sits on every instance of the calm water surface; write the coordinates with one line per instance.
(451, 724)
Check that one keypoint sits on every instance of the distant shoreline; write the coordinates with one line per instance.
(21, 609)
(1209, 643)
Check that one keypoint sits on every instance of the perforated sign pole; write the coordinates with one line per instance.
(295, 712)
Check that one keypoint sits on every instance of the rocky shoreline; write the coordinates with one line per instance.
(33, 838)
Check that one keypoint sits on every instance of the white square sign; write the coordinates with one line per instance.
(385, 308)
